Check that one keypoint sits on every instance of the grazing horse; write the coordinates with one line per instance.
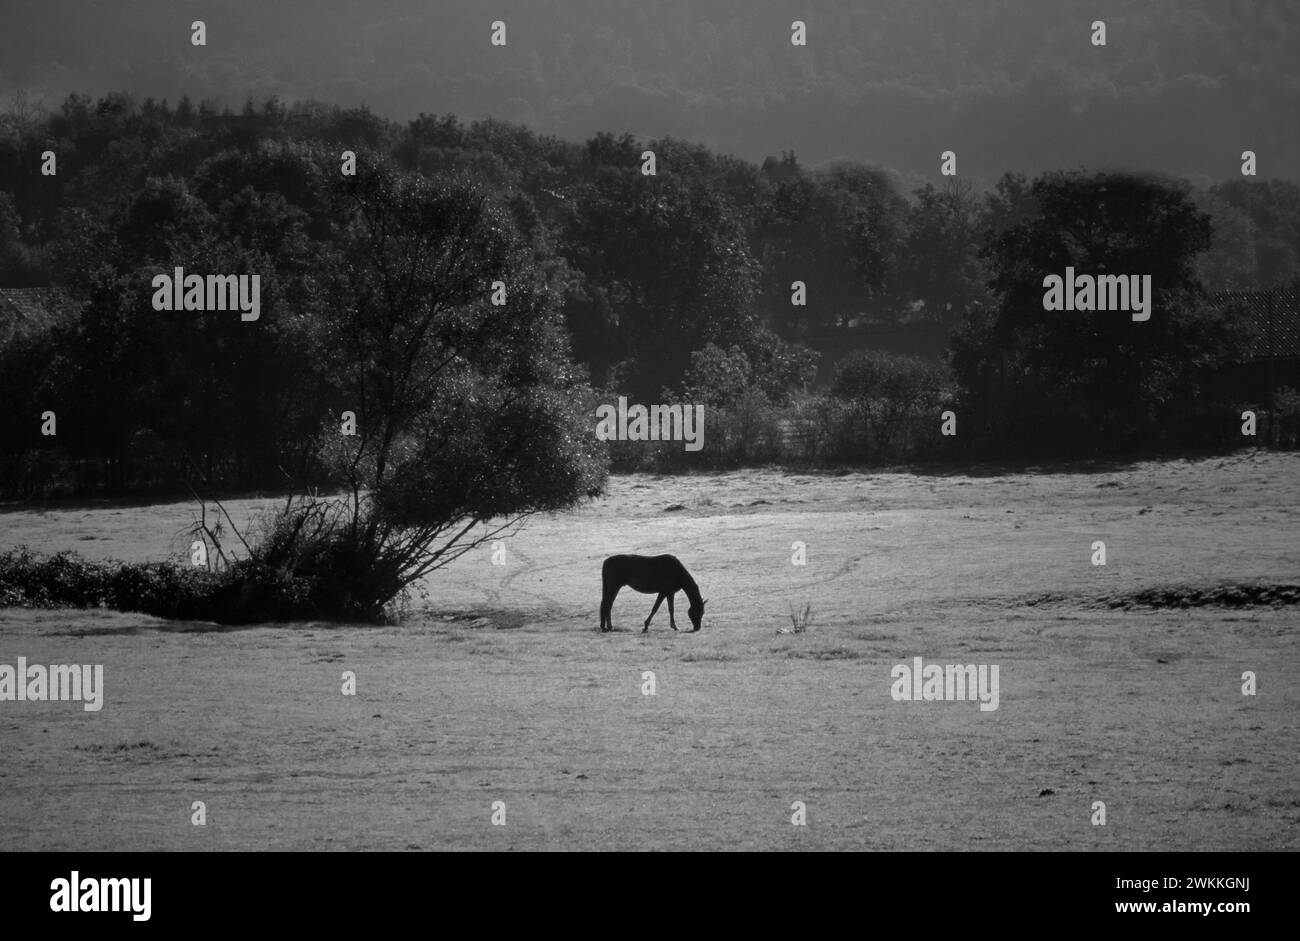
(658, 574)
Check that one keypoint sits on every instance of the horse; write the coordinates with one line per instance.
(659, 574)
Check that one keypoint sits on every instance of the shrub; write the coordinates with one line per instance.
(881, 407)
(1287, 404)
(246, 592)
(65, 579)
(903, 383)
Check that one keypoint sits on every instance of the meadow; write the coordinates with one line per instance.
(497, 687)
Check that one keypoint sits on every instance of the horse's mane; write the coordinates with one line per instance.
(688, 585)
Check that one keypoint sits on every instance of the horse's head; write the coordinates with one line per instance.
(696, 614)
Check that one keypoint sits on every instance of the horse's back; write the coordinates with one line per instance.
(643, 573)
(624, 561)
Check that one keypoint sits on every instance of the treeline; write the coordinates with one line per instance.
(680, 284)
(902, 80)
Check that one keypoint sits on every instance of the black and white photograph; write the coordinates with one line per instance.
(597, 426)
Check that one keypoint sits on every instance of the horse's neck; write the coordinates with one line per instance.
(692, 590)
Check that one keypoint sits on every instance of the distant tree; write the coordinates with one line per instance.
(904, 381)
(1230, 263)
(18, 266)
(1093, 379)
(718, 377)
(881, 406)
(781, 368)
(839, 231)
(666, 269)
(940, 265)
(1273, 207)
(1010, 203)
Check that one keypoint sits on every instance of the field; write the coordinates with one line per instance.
(498, 688)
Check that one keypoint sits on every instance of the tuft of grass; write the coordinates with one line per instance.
(798, 621)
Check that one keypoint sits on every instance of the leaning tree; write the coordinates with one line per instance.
(437, 329)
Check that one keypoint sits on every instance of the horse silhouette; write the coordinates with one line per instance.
(663, 575)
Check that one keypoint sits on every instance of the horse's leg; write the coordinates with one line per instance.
(671, 620)
(658, 602)
(607, 608)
